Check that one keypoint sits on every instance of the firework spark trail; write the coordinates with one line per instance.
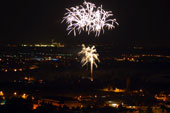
(90, 55)
(89, 18)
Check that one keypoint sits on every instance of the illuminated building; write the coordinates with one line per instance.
(54, 44)
(161, 97)
(116, 90)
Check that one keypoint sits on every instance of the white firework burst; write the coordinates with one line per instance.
(89, 18)
(90, 55)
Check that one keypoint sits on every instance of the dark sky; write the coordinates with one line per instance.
(142, 22)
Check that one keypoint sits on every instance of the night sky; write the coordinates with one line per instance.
(142, 22)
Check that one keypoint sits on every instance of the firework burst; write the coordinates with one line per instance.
(90, 55)
(89, 18)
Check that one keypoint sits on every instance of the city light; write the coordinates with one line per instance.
(15, 70)
(90, 55)
(24, 96)
(6, 70)
(116, 90)
(20, 69)
(15, 93)
(89, 18)
(1, 93)
(114, 105)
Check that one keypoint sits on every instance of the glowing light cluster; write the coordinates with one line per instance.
(90, 55)
(89, 18)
